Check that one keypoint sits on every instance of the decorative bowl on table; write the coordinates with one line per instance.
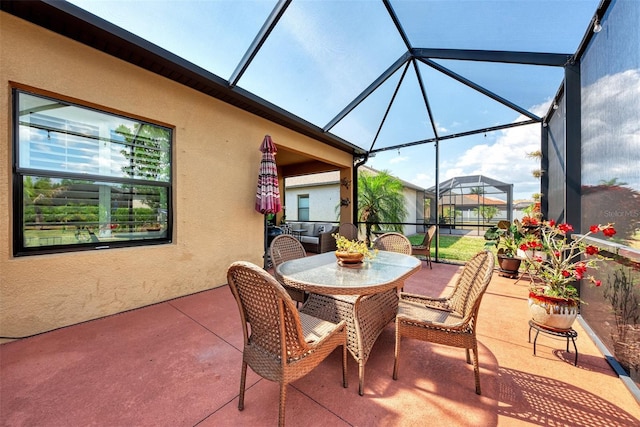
(349, 257)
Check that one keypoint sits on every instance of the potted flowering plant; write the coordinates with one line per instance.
(506, 237)
(351, 251)
(553, 299)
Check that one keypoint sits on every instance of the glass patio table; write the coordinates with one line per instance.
(365, 296)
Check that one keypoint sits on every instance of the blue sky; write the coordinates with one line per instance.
(323, 54)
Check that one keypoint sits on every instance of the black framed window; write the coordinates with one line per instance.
(87, 179)
(303, 207)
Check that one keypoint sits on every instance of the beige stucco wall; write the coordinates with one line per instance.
(216, 161)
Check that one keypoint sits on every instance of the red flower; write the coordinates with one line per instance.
(594, 228)
(523, 247)
(594, 281)
(565, 228)
(591, 250)
(551, 223)
(609, 231)
(565, 273)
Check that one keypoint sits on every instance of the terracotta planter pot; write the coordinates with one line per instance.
(552, 313)
(509, 266)
(349, 257)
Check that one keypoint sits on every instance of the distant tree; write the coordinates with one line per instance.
(611, 182)
(487, 212)
(380, 200)
(602, 204)
(449, 215)
(477, 190)
(146, 149)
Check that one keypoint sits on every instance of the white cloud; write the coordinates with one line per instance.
(399, 159)
(505, 159)
(423, 180)
(611, 129)
(441, 129)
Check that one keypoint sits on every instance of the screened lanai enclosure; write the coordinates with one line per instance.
(451, 96)
(470, 204)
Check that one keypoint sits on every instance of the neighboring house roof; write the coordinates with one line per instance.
(333, 177)
(323, 178)
(522, 204)
(471, 199)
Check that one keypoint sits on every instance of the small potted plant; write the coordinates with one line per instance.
(553, 299)
(506, 238)
(351, 251)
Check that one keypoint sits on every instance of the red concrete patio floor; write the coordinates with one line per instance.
(178, 363)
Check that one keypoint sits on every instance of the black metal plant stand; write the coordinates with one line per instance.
(569, 334)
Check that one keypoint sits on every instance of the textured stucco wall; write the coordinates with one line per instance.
(216, 161)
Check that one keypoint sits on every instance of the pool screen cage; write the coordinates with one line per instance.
(471, 204)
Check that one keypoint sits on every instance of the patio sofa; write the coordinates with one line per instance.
(315, 236)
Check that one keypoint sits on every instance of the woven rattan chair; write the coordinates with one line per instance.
(280, 344)
(450, 320)
(424, 248)
(284, 248)
(349, 231)
(366, 317)
(394, 242)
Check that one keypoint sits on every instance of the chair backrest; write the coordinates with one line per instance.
(471, 284)
(428, 237)
(269, 310)
(393, 242)
(283, 248)
(349, 231)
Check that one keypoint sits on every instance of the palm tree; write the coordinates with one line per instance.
(380, 200)
(480, 191)
(612, 182)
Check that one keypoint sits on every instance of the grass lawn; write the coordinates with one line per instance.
(453, 248)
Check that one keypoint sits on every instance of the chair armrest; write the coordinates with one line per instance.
(437, 303)
(326, 242)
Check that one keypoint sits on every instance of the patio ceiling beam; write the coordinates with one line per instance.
(453, 136)
(396, 22)
(423, 91)
(259, 40)
(369, 90)
(480, 89)
(508, 57)
(393, 97)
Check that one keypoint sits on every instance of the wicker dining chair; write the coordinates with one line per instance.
(394, 242)
(450, 320)
(283, 248)
(349, 231)
(366, 316)
(280, 344)
(424, 248)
